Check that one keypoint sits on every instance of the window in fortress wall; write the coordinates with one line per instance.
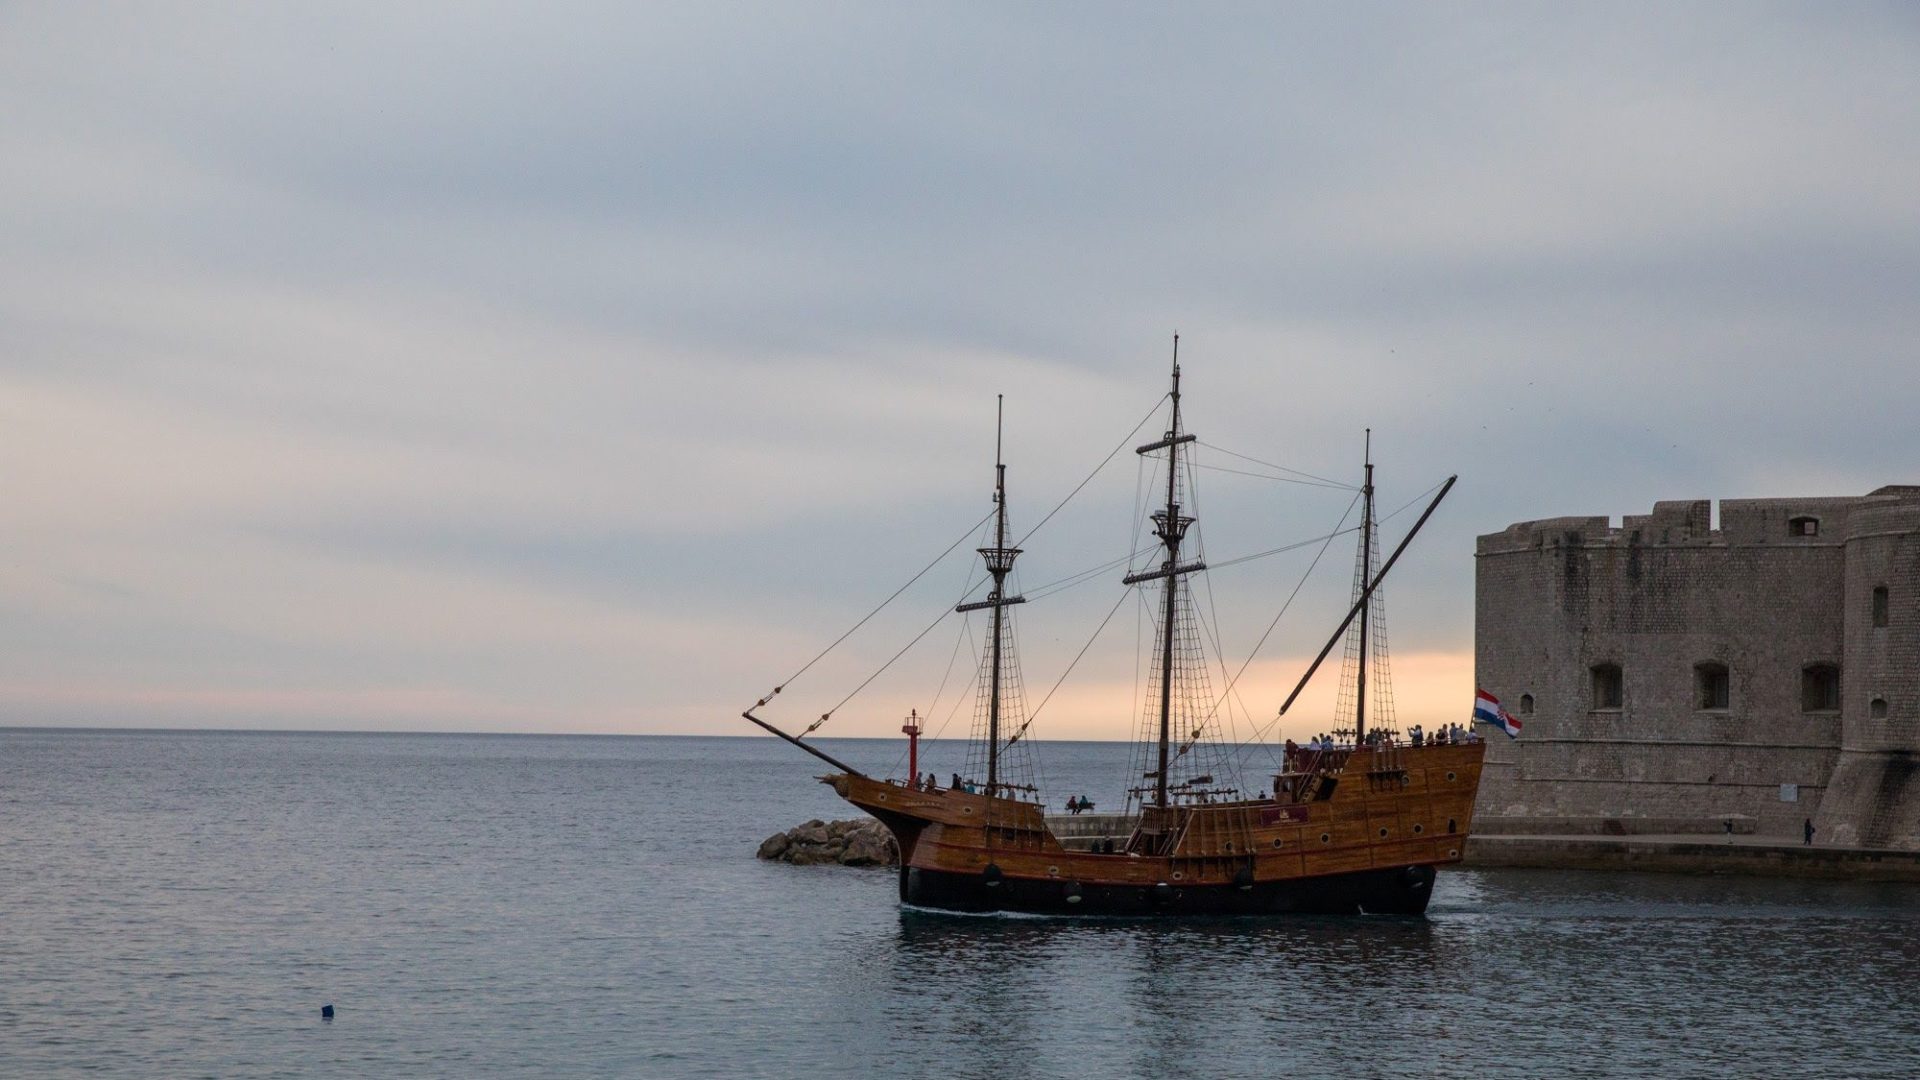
(1803, 526)
(1880, 606)
(1820, 688)
(1526, 704)
(1878, 708)
(1608, 686)
(1711, 686)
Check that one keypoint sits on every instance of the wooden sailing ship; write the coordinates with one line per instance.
(1360, 822)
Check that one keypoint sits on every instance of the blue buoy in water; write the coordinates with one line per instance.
(326, 1012)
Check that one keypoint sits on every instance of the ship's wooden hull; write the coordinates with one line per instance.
(1366, 831)
(1395, 891)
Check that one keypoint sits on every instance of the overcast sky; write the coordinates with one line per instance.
(589, 368)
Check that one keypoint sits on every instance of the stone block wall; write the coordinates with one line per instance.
(1782, 585)
(1876, 782)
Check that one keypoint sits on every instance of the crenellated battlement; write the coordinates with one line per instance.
(1822, 521)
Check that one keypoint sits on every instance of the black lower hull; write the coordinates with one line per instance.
(1401, 890)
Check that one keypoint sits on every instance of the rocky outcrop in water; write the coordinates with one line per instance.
(862, 842)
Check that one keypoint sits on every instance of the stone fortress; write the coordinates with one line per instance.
(1674, 677)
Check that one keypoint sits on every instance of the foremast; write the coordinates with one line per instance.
(1170, 525)
(999, 559)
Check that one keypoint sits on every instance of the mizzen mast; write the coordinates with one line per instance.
(1171, 527)
(1366, 684)
(999, 559)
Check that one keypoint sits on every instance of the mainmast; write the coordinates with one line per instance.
(1366, 579)
(1171, 528)
(999, 559)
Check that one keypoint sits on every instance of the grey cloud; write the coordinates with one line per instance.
(671, 309)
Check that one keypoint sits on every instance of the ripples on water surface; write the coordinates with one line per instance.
(182, 904)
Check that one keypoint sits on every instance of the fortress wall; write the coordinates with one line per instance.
(1657, 595)
(1877, 778)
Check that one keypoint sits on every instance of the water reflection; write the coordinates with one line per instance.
(514, 907)
(1611, 975)
(1137, 997)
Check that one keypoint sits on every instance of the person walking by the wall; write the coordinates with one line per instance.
(1808, 828)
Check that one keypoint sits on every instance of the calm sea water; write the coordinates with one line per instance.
(182, 904)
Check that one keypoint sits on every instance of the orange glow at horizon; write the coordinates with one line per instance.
(1429, 688)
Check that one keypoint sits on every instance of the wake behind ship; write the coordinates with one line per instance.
(1360, 820)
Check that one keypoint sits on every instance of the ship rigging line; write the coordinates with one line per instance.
(963, 638)
(958, 640)
(775, 692)
(908, 647)
(1096, 472)
(1295, 546)
(1035, 714)
(960, 698)
(1408, 503)
(904, 649)
(1259, 732)
(1277, 479)
(1081, 578)
(1282, 468)
(1220, 651)
(1075, 580)
(1121, 445)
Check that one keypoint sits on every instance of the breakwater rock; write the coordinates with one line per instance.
(862, 842)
